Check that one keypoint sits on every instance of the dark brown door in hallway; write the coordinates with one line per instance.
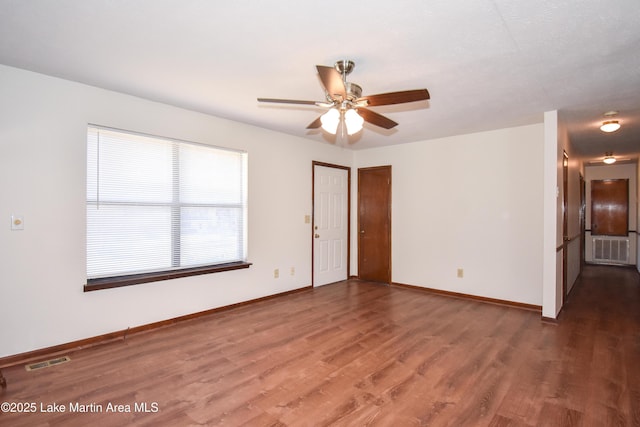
(610, 207)
(374, 224)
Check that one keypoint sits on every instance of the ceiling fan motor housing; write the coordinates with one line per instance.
(354, 91)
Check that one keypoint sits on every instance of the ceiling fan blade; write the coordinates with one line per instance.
(332, 82)
(376, 119)
(396, 97)
(315, 124)
(287, 101)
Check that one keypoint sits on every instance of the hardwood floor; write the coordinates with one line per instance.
(358, 353)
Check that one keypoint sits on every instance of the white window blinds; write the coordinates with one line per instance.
(157, 204)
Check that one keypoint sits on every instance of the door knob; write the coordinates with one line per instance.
(316, 235)
(361, 231)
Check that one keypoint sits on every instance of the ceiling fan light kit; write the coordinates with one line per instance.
(330, 120)
(353, 121)
(347, 105)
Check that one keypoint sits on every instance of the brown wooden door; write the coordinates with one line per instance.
(374, 224)
(610, 207)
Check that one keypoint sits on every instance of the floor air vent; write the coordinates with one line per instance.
(47, 363)
(611, 250)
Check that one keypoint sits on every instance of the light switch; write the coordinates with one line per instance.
(17, 222)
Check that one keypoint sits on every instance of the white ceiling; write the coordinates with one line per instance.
(488, 64)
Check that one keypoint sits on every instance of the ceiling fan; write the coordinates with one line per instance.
(345, 103)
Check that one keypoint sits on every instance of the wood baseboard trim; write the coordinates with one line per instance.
(520, 305)
(47, 352)
(551, 320)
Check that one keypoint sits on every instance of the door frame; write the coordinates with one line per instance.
(315, 163)
(565, 223)
(582, 219)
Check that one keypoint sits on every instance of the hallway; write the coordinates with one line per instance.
(597, 364)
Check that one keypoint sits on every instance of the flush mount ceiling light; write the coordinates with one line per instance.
(610, 125)
(609, 159)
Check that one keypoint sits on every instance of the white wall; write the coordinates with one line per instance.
(552, 213)
(472, 202)
(481, 210)
(573, 231)
(43, 123)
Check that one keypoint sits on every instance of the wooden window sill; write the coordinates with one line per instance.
(136, 279)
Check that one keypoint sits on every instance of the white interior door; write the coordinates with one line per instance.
(330, 224)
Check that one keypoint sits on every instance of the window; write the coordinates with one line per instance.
(159, 208)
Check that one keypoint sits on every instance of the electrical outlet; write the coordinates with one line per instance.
(17, 222)
(276, 273)
(460, 273)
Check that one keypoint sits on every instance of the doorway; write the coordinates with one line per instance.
(374, 224)
(331, 213)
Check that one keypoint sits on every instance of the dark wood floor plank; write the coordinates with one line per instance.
(358, 353)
